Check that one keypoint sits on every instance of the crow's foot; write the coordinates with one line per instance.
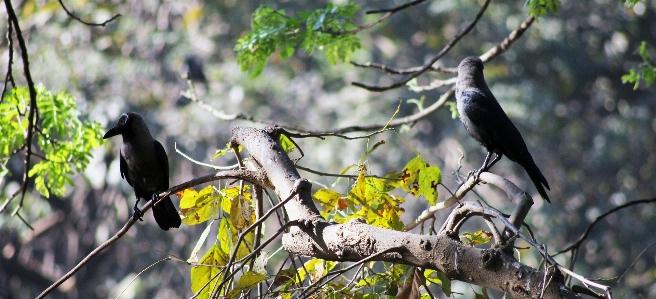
(137, 213)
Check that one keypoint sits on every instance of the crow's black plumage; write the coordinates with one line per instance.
(145, 166)
(193, 67)
(486, 121)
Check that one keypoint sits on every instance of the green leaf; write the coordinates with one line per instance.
(646, 70)
(538, 8)
(453, 107)
(194, 253)
(246, 282)
(421, 179)
(224, 151)
(62, 139)
(328, 199)
(371, 199)
(314, 269)
(274, 30)
(286, 143)
(438, 277)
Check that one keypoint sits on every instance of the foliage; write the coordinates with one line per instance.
(646, 70)
(327, 29)
(538, 8)
(286, 143)
(371, 198)
(437, 277)
(64, 142)
(476, 238)
(631, 3)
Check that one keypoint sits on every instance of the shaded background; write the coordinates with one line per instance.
(593, 137)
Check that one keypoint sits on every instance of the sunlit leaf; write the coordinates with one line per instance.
(246, 282)
(327, 198)
(477, 238)
(241, 213)
(437, 277)
(193, 258)
(421, 179)
(63, 140)
(208, 271)
(198, 207)
(286, 143)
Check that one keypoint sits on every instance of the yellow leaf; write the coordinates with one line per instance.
(198, 207)
(208, 270)
(315, 269)
(327, 198)
(358, 193)
(192, 15)
(246, 282)
(228, 236)
(241, 213)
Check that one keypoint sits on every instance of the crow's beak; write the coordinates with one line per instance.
(113, 132)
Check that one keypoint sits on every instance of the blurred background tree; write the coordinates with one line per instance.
(561, 84)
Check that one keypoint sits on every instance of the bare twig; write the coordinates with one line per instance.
(388, 13)
(9, 77)
(175, 145)
(93, 253)
(635, 260)
(241, 174)
(297, 186)
(599, 218)
(103, 24)
(33, 108)
(394, 71)
(477, 208)
(336, 273)
(428, 213)
(505, 44)
(428, 65)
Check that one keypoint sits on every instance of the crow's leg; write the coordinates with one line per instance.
(496, 159)
(137, 213)
(487, 164)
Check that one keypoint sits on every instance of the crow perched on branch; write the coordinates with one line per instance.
(145, 166)
(486, 121)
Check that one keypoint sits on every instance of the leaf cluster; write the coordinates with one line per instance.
(371, 198)
(646, 70)
(273, 30)
(64, 142)
(234, 205)
(539, 8)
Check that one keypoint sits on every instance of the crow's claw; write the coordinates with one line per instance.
(154, 198)
(137, 213)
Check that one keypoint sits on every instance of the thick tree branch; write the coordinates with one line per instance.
(356, 241)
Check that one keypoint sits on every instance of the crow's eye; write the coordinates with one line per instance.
(123, 120)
